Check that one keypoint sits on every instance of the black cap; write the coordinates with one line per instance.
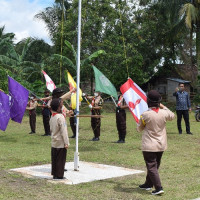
(154, 96)
(57, 90)
(46, 91)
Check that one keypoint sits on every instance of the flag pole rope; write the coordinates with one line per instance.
(61, 45)
(124, 45)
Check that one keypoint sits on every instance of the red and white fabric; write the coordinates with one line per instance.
(135, 98)
(49, 83)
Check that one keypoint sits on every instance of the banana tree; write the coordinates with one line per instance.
(85, 64)
(17, 64)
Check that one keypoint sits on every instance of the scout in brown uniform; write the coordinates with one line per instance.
(154, 139)
(96, 106)
(31, 107)
(46, 113)
(72, 121)
(58, 93)
(59, 139)
(121, 119)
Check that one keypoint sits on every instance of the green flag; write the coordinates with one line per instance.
(102, 84)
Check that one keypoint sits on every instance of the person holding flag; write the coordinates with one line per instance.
(121, 118)
(72, 106)
(32, 104)
(46, 114)
(96, 105)
(58, 93)
(154, 139)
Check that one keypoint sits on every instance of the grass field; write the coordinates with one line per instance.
(179, 171)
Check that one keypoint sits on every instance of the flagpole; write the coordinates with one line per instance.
(76, 154)
(114, 101)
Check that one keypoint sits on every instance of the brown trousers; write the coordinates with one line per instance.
(96, 123)
(46, 124)
(58, 159)
(152, 160)
(121, 123)
(73, 125)
(32, 119)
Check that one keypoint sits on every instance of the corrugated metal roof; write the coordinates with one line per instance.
(178, 80)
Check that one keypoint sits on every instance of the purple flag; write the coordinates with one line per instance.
(19, 100)
(4, 111)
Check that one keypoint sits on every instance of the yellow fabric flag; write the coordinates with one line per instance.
(72, 84)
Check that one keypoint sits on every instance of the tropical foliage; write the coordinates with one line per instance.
(121, 38)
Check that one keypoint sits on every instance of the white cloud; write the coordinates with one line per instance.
(18, 17)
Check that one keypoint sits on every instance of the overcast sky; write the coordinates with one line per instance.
(18, 18)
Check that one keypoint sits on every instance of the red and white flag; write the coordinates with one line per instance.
(49, 83)
(135, 98)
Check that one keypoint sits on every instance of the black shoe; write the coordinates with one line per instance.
(145, 187)
(31, 132)
(121, 141)
(158, 191)
(180, 132)
(73, 136)
(65, 170)
(189, 133)
(95, 139)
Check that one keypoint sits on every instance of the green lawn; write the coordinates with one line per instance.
(179, 171)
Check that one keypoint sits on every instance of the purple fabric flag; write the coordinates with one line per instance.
(19, 100)
(4, 111)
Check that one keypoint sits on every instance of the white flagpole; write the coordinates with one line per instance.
(114, 101)
(76, 154)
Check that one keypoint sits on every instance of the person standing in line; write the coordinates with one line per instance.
(46, 113)
(96, 106)
(183, 106)
(31, 107)
(154, 139)
(58, 93)
(72, 121)
(121, 118)
(59, 139)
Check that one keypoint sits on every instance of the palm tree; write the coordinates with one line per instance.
(190, 11)
(5, 38)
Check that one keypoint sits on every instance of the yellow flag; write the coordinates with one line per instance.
(72, 84)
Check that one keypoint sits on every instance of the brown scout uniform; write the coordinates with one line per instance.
(96, 122)
(59, 138)
(32, 114)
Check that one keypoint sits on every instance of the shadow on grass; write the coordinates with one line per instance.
(7, 139)
(121, 187)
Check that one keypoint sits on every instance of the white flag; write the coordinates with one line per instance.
(49, 83)
(135, 98)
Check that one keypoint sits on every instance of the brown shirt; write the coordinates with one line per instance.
(59, 133)
(153, 124)
(31, 105)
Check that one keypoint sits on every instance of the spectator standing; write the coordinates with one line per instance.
(183, 106)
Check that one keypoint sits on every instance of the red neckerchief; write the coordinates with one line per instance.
(53, 114)
(155, 109)
(120, 100)
(93, 101)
